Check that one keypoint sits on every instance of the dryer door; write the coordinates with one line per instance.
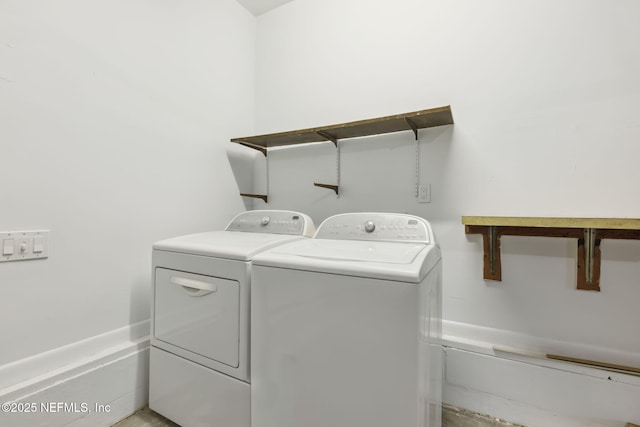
(200, 314)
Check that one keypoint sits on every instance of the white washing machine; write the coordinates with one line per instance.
(199, 358)
(345, 327)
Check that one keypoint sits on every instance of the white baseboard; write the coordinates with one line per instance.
(482, 339)
(95, 382)
(533, 391)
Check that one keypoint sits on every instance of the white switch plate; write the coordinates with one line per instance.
(424, 193)
(23, 245)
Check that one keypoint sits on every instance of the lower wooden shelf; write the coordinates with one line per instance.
(589, 232)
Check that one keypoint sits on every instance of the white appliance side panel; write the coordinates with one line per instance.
(331, 350)
(198, 313)
(195, 396)
(431, 351)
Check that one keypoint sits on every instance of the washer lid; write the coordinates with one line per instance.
(388, 246)
(402, 262)
(356, 251)
(225, 244)
(247, 234)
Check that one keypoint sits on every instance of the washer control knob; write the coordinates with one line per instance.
(369, 226)
(265, 220)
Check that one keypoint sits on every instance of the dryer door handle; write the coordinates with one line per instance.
(195, 288)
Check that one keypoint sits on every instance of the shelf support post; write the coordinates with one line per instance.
(588, 268)
(589, 246)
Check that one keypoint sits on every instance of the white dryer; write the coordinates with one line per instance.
(346, 326)
(199, 358)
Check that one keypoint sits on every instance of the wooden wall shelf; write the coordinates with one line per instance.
(588, 231)
(401, 122)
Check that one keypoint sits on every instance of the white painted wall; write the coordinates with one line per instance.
(115, 118)
(545, 98)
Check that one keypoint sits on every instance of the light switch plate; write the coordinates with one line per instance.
(8, 246)
(26, 245)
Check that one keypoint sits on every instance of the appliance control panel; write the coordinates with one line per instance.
(381, 227)
(273, 222)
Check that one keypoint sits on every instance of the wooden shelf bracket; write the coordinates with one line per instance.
(493, 243)
(589, 233)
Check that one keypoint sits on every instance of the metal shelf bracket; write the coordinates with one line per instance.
(263, 197)
(328, 137)
(413, 127)
(588, 261)
(335, 188)
(256, 196)
(255, 147)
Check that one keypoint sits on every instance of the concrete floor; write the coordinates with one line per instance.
(457, 417)
(146, 418)
(451, 417)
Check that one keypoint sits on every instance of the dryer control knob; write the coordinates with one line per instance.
(369, 226)
(265, 220)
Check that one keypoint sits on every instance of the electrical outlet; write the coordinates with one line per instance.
(424, 193)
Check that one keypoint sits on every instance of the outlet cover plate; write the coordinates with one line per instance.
(424, 193)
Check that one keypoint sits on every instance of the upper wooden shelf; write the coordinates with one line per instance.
(599, 223)
(401, 122)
